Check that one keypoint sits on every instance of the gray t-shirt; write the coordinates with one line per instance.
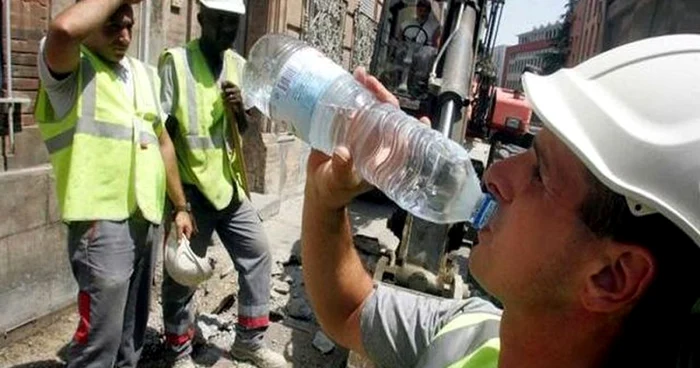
(168, 82)
(397, 326)
(62, 92)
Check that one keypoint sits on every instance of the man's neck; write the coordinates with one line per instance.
(212, 55)
(554, 339)
(109, 63)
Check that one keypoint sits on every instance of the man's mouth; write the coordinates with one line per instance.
(485, 209)
(488, 226)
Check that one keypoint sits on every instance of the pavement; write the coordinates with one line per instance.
(293, 332)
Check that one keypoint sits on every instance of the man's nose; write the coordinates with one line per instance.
(125, 35)
(504, 178)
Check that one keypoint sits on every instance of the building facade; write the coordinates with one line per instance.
(531, 50)
(630, 20)
(499, 58)
(586, 31)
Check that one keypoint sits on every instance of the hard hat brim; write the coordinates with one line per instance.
(233, 6)
(587, 120)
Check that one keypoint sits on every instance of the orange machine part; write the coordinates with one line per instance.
(511, 112)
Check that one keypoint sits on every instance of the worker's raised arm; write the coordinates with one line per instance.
(336, 281)
(334, 278)
(72, 26)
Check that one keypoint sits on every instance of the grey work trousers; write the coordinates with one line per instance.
(243, 236)
(113, 262)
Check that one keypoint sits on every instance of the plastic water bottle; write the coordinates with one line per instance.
(421, 170)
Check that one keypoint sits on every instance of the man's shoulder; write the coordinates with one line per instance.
(134, 61)
(471, 311)
(170, 53)
(409, 22)
(236, 56)
(174, 50)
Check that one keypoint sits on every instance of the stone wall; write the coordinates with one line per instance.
(276, 160)
(365, 33)
(28, 19)
(35, 277)
(325, 27)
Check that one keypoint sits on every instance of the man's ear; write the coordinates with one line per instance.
(618, 278)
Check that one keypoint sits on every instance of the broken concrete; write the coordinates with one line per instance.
(323, 343)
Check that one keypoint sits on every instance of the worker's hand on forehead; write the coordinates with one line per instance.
(334, 181)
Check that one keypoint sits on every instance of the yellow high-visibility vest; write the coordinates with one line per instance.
(105, 152)
(470, 340)
(209, 153)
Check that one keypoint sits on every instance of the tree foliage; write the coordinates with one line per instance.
(561, 43)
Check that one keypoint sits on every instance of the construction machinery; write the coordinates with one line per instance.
(435, 56)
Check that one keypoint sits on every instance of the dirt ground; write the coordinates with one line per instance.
(291, 333)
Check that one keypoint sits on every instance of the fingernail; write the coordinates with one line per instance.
(338, 157)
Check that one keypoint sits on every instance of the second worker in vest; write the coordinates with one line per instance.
(206, 114)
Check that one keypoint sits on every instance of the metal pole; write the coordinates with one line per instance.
(456, 75)
(144, 46)
(447, 114)
(8, 65)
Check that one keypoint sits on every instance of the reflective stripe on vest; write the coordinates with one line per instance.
(105, 151)
(87, 124)
(204, 141)
(468, 341)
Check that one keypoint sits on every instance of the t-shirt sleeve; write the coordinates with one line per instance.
(168, 81)
(397, 326)
(61, 90)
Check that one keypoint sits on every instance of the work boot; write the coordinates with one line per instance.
(263, 357)
(184, 362)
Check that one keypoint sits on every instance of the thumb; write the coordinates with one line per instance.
(343, 168)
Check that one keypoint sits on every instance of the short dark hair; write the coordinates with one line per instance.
(656, 324)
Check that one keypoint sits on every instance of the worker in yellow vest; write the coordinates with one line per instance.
(594, 250)
(100, 117)
(206, 116)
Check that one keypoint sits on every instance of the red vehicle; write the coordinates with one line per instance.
(510, 112)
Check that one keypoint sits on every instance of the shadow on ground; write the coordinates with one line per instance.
(297, 314)
(41, 364)
(62, 357)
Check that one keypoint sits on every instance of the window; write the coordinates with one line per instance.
(367, 7)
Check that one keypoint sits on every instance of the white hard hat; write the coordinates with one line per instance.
(632, 116)
(184, 266)
(231, 6)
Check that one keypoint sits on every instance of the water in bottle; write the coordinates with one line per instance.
(421, 170)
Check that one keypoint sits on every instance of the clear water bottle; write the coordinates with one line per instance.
(421, 170)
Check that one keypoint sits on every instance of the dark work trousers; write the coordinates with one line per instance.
(241, 232)
(113, 263)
